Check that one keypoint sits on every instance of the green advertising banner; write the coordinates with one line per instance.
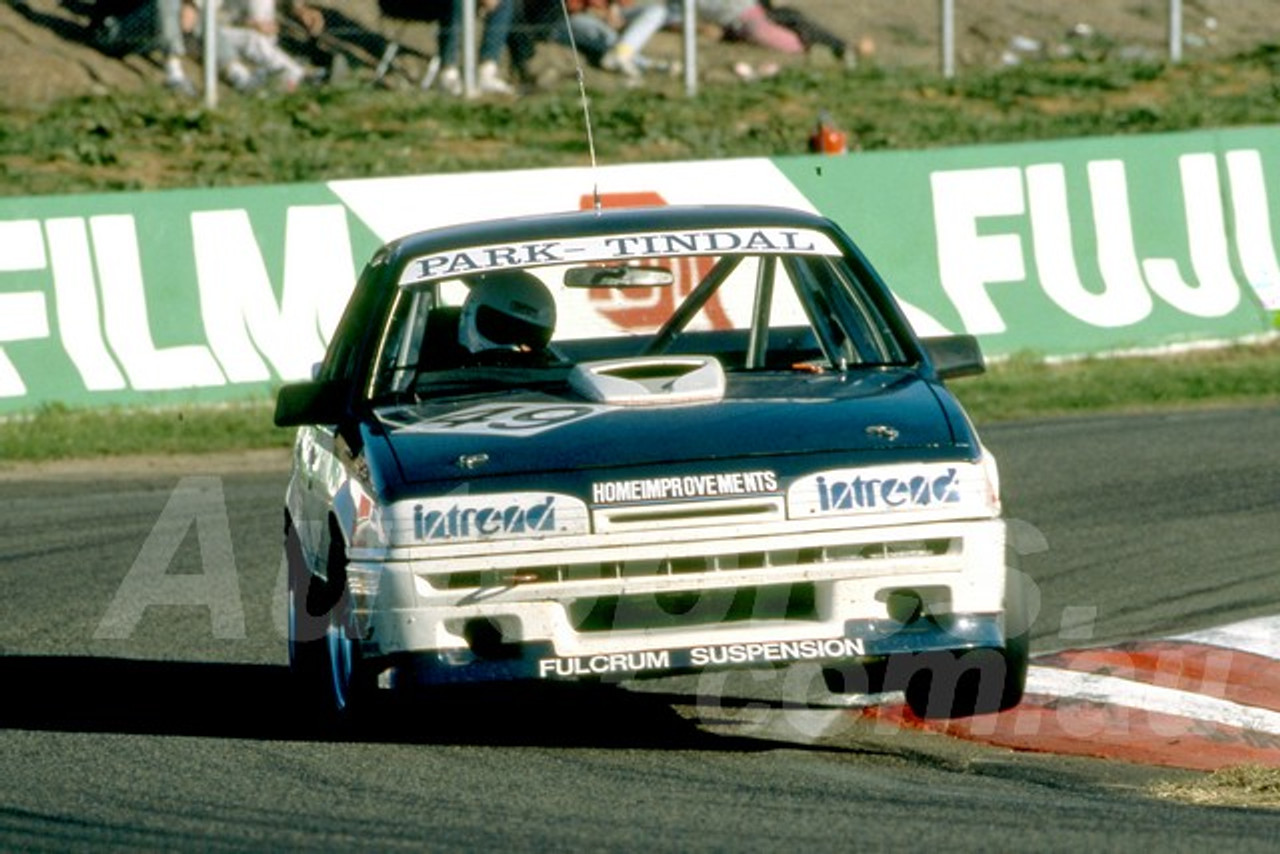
(1073, 247)
(1060, 249)
(170, 297)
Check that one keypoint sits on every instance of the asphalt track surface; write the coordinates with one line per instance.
(134, 725)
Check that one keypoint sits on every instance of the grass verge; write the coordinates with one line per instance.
(1240, 375)
(1241, 786)
(148, 141)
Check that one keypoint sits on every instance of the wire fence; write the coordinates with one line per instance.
(139, 27)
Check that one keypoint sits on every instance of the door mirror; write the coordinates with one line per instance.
(314, 402)
(955, 356)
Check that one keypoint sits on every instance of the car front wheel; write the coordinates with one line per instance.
(324, 650)
(977, 681)
(346, 691)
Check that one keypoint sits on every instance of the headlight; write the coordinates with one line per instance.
(992, 472)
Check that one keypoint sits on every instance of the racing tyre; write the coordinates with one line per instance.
(977, 681)
(346, 687)
(324, 652)
(855, 678)
(308, 622)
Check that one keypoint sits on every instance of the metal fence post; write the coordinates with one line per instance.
(947, 36)
(210, 12)
(469, 47)
(1175, 30)
(690, 48)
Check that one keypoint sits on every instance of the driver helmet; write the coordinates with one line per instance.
(507, 310)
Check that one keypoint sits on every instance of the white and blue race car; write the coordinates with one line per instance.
(620, 444)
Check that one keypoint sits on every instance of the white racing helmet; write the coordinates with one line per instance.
(507, 310)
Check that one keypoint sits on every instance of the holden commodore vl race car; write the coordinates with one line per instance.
(626, 443)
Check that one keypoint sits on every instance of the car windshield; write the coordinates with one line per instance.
(770, 305)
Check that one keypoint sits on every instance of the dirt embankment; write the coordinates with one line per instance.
(48, 52)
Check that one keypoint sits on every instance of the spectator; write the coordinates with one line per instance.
(497, 15)
(613, 34)
(533, 21)
(304, 35)
(248, 50)
(748, 21)
(173, 44)
(812, 33)
(309, 17)
(123, 27)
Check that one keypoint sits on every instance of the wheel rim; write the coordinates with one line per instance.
(292, 622)
(341, 659)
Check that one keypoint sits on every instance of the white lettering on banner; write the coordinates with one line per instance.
(1125, 300)
(1128, 300)
(1218, 293)
(242, 317)
(95, 303)
(1252, 218)
(76, 297)
(20, 246)
(23, 315)
(967, 260)
(115, 244)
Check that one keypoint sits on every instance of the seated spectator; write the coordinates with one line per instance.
(612, 35)
(448, 14)
(174, 45)
(305, 34)
(497, 16)
(812, 33)
(748, 21)
(123, 27)
(248, 51)
(309, 17)
(533, 21)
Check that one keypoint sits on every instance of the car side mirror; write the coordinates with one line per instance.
(313, 402)
(955, 356)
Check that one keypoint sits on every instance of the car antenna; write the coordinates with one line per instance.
(586, 106)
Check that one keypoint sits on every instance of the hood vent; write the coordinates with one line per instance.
(650, 381)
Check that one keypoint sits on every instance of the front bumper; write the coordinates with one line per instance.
(764, 598)
(864, 641)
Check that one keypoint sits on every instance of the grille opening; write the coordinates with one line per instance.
(592, 571)
(911, 606)
(791, 602)
(681, 566)
(486, 639)
(817, 556)
(906, 548)
(501, 578)
(749, 560)
(696, 513)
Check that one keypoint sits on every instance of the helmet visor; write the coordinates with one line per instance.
(507, 330)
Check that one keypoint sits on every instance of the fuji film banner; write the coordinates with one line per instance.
(1063, 248)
